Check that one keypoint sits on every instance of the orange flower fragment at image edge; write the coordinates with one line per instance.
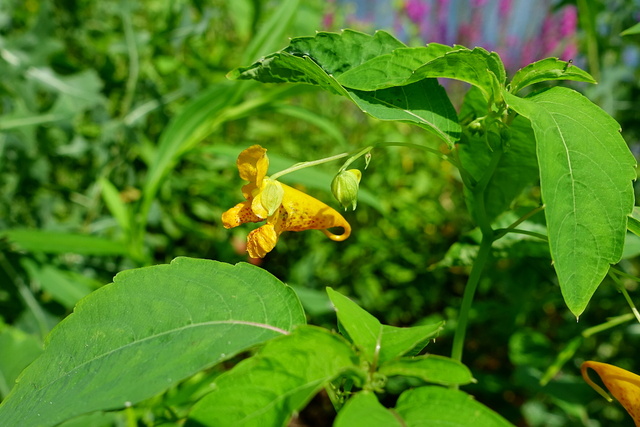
(283, 207)
(624, 385)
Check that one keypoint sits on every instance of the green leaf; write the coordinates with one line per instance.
(424, 103)
(586, 174)
(545, 70)
(477, 67)
(392, 69)
(334, 53)
(59, 243)
(435, 406)
(518, 166)
(429, 368)
(635, 29)
(18, 350)
(379, 343)
(150, 329)
(364, 410)
(284, 67)
(322, 59)
(268, 388)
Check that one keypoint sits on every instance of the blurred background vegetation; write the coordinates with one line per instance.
(118, 139)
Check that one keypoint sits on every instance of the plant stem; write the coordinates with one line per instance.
(502, 231)
(303, 165)
(623, 290)
(467, 298)
(484, 253)
(618, 320)
(510, 229)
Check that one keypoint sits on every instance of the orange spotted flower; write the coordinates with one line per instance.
(284, 207)
(624, 385)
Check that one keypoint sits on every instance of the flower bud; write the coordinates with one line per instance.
(345, 187)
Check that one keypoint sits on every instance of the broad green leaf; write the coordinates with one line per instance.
(364, 410)
(268, 388)
(518, 166)
(435, 406)
(60, 286)
(284, 67)
(320, 60)
(424, 103)
(150, 329)
(545, 70)
(477, 67)
(54, 242)
(392, 69)
(635, 29)
(586, 174)
(379, 343)
(429, 368)
(18, 349)
(335, 53)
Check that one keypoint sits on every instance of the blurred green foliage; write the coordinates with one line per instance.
(87, 90)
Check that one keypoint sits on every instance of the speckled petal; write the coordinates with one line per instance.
(624, 385)
(300, 211)
(262, 240)
(239, 214)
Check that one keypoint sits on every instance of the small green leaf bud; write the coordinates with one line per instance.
(345, 187)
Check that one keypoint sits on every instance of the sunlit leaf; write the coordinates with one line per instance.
(438, 406)
(150, 329)
(268, 388)
(364, 410)
(429, 368)
(545, 70)
(378, 342)
(586, 174)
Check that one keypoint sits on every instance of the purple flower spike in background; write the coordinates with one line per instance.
(521, 31)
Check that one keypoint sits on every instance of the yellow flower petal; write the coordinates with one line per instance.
(302, 212)
(624, 385)
(239, 214)
(253, 164)
(262, 240)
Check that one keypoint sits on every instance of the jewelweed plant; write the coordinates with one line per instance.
(120, 347)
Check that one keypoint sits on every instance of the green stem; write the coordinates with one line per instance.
(511, 229)
(502, 231)
(484, 253)
(618, 320)
(303, 165)
(623, 290)
(467, 299)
